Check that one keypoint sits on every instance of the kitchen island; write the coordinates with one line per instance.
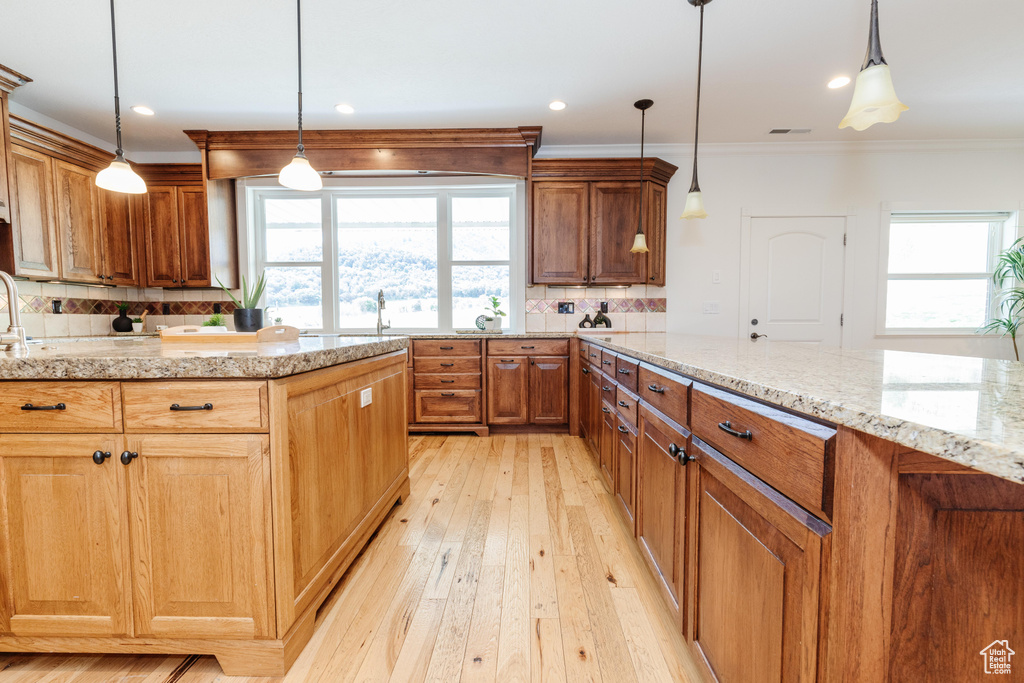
(179, 498)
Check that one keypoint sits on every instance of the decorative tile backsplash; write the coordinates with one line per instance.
(593, 305)
(44, 304)
(633, 309)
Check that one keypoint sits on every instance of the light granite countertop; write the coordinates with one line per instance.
(967, 410)
(148, 358)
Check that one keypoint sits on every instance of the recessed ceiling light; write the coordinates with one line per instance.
(839, 82)
(145, 111)
(345, 108)
(557, 105)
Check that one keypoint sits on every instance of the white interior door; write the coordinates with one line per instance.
(795, 280)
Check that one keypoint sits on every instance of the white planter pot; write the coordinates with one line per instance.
(137, 327)
(494, 324)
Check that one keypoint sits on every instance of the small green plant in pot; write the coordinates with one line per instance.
(494, 314)
(248, 318)
(216, 320)
(137, 324)
(1009, 268)
(122, 323)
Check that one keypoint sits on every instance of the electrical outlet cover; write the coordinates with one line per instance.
(566, 307)
(365, 397)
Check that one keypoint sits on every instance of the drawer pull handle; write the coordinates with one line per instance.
(606, 362)
(447, 393)
(623, 371)
(586, 371)
(508, 360)
(99, 457)
(727, 428)
(205, 406)
(447, 381)
(655, 389)
(526, 347)
(593, 355)
(127, 457)
(29, 406)
(623, 429)
(446, 348)
(606, 388)
(605, 409)
(447, 365)
(623, 404)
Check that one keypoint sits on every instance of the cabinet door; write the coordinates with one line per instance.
(6, 192)
(655, 228)
(117, 239)
(35, 227)
(549, 390)
(662, 506)
(77, 222)
(583, 402)
(67, 536)
(606, 444)
(558, 236)
(161, 237)
(757, 577)
(595, 410)
(625, 468)
(200, 552)
(614, 215)
(508, 384)
(195, 237)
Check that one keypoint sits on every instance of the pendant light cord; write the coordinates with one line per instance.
(695, 186)
(298, 19)
(643, 123)
(117, 99)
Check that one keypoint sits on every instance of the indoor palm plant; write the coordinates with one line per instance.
(1009, 269)
(248, 318)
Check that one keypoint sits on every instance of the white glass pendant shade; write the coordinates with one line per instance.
(119, 177)
(694, 205)
(299, 175)
(639, 244)
(874, 99)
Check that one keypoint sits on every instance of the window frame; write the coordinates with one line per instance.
(252, 245)
(1003, 228)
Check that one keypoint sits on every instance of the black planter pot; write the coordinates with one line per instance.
(248, 319)
(122, 323)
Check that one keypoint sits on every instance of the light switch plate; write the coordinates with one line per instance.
(365, 397)
(711, 308)
(716, 277)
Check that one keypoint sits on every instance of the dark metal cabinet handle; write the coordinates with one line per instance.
(727, 428)
(508, 360)
(447, 381)
(532, 362)
(447, 393)
(679, 454)
(623, 429)
(527, 347)
(205, 406)
(606, 362)
(127, 457)
(623, 371)
(446, 348)
(593, 355)
(99, 457)
(655, 389)
(447, 365)
(605, 409)
(29, 406)
(606, 388)
(586, 371)
(623, 404)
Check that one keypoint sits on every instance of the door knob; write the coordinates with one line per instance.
(755, 336)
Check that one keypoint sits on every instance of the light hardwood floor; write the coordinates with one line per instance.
(508, 562)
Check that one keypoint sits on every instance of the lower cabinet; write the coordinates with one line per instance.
(606, 444)
(528, 390)
(508, 383)
(585, 413)
(625, 468)
(549, 390)
(757, 577)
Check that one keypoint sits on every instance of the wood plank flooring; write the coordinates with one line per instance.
(507, 563)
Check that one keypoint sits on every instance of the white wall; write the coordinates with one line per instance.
(830, 177)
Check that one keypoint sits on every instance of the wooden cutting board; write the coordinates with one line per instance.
(191, 334)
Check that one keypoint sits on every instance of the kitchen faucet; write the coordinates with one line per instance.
(14, 339)
(380, 321)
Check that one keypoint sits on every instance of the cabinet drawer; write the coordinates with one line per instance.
(789, 453)
(55, 407)
(528, 347)
(667, 393)
(195, 406)
(447, 381)
(441, 347)
(608, 388)
(626, 372)
(584, 350)
(461, 364)
(625, 403)
(593, 353)
(448, 407)
(608, 363)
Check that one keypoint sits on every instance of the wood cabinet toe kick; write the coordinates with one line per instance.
(206, 516)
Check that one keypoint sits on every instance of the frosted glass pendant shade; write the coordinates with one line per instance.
(639, 244)
(299, 175)
(119, 177)
(694, 205)
(874, 99)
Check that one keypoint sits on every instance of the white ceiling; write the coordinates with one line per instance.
(230, 64)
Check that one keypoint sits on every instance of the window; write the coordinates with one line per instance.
(939, 271)
(437, 253)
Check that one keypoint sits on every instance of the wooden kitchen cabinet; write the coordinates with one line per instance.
(614, 215)
(560, 238)
(584, 412)
(757, 576)
(528, 381)
(66, 530)
(35, 242)
(177, 241)
(624, 469)
(195, 237)
(117, 239)
(77, 210)
(606, 443)
(549, 390)
(508, 390)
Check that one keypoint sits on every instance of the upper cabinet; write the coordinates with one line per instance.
(584, 217)
(77, 209)
(33, 211)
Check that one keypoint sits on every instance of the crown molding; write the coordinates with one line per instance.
(11, 79)
(602, 168)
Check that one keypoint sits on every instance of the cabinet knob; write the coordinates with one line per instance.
(99, 457)
(174, 279)
(623, 429)
(127, 457)
(679, 454)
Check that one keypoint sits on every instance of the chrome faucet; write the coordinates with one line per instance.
(14, 339)
(380, 320)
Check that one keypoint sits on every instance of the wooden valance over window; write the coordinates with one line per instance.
(498, 151)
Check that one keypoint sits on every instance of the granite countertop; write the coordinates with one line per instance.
(149, 358)
(963, 409)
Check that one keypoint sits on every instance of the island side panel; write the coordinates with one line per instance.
(338, 466)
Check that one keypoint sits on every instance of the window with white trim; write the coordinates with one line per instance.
(437, 252)
(939, 271)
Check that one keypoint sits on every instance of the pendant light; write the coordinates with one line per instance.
(874, 98)
(119, 176)
(640, 240)
(694, 199)
(299, 175)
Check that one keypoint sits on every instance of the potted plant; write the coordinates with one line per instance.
(137, 325)
(122, 323)
(494, 314)
(1009, 266)
(247, 317)
(215, 324)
